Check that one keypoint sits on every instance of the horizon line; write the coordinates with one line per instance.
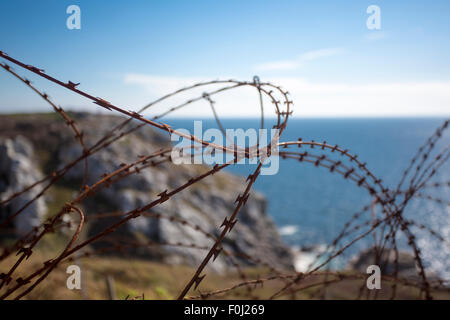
(246, 117)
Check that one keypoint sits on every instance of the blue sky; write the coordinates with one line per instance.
(321, 51)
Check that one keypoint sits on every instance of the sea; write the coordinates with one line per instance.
(310, 205)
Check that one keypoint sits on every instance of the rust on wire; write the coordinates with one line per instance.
(383, 218)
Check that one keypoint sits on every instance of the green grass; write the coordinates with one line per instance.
(134, 277)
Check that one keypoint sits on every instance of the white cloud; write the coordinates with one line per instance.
(313, 55)
(371, 99)
(300, 60)
(279, 65)
(312, 99)
(159, 84)
(237, 102)
(288, 230)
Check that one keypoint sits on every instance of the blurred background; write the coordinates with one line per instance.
(370, 76)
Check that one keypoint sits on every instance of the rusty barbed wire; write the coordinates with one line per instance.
(384, 218)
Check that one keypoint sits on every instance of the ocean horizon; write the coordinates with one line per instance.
(310, 205)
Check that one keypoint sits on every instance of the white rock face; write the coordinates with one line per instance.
(17, 171)
(204, 204)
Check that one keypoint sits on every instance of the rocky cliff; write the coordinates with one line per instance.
(35, 145)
